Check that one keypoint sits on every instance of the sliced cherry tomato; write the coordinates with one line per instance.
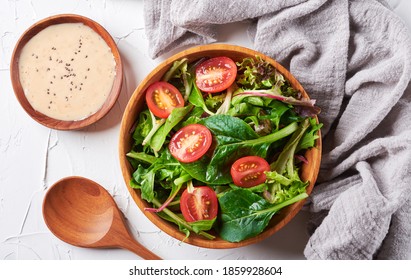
(201, 204)
(190, 143)
(162, 98)
(216, 74)
(249, 171)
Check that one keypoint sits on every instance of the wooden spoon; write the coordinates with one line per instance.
(81, 212)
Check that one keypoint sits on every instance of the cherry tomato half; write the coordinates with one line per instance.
(190, 143)
(162, 98)
(249, 171)
(201, 204)
(216, 74)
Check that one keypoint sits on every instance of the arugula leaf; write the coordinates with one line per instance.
(163, 171)
(172, 195)
(142, 157)
(180, 72)
(196, 98)
(176, 69)
(186, 227)
(245, 214)
(304, 107)
(145, 179)
(310, 136)
(143, 127)
(223, 109)
(156, 124)
(283, 181)
(176, 116)
(286, 157)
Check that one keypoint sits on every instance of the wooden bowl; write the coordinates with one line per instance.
(19, 92)
(308, 171)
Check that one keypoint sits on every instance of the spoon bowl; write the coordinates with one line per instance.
(82, 213)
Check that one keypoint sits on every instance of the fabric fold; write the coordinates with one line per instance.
(354, 58)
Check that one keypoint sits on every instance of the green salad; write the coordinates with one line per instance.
(217, 149)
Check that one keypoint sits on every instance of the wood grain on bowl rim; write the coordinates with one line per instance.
(308, 171)
(19, 92)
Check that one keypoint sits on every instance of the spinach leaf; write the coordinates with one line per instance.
(202, 225)
(236, 139)
(228, 129)
(245, 214)
(197, 168)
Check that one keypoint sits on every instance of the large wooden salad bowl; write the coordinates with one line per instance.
(308, 172)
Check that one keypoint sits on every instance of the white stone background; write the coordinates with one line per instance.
(33, 157)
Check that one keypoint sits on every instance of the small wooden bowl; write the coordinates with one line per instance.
(308, 171)
(18, 89)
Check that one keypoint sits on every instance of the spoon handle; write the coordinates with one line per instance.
(135, 247)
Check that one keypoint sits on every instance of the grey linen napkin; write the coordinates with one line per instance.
(354, 58)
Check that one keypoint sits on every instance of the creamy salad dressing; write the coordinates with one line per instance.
(67, 71)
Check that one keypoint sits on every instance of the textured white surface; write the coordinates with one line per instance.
(33, 157)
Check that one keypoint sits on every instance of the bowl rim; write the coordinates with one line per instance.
(41, 118)
(171, 229)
